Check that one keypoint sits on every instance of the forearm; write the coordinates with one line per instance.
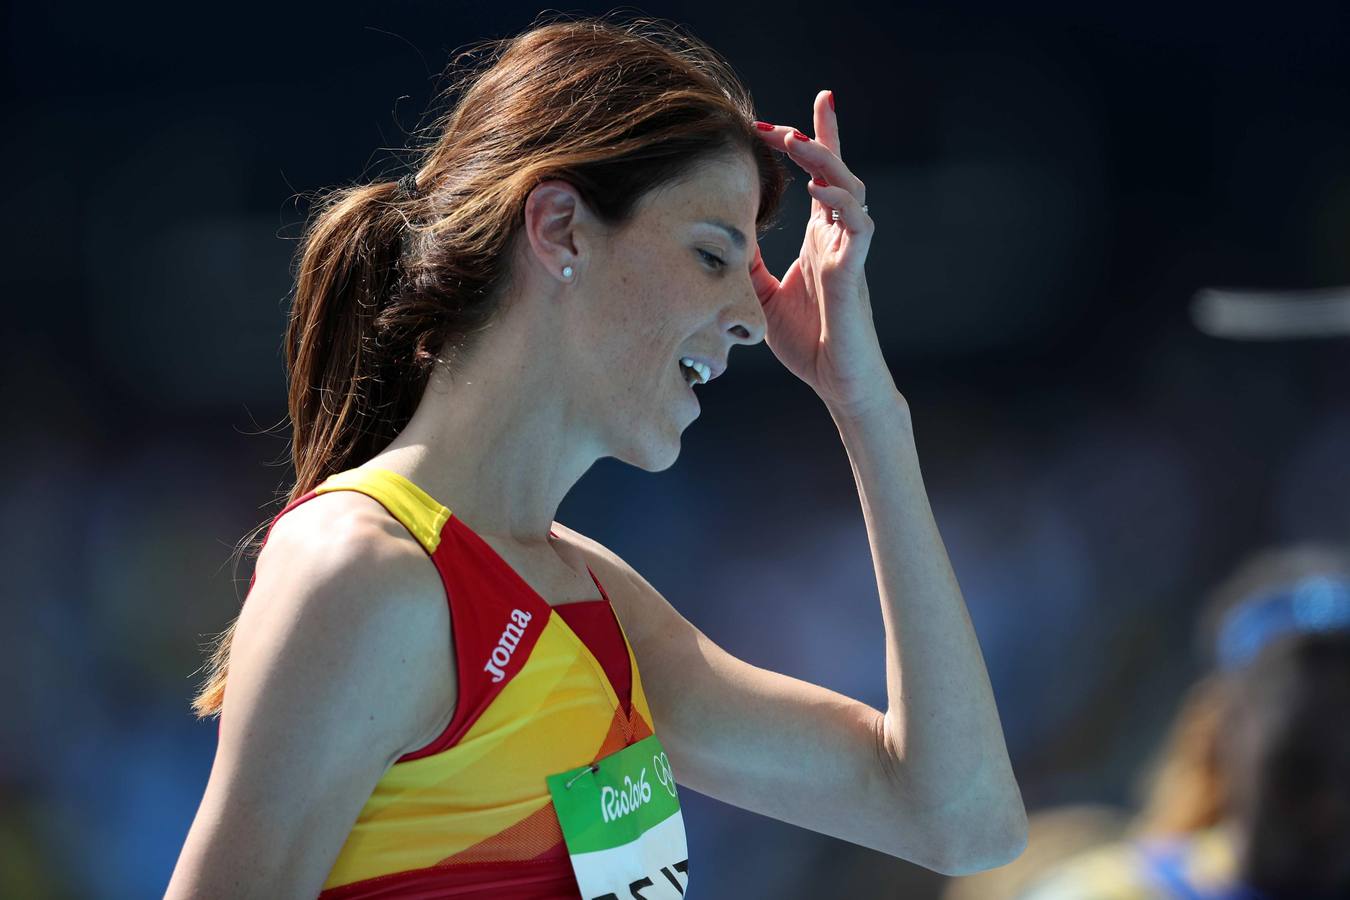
(942, 725)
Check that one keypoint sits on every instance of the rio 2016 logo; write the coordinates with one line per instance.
(616, 804)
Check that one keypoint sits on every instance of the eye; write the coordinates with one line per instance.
(716, 261)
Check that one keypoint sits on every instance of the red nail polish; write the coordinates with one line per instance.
(799, 136)
(820, 181)
(831, 101)
(763, 126)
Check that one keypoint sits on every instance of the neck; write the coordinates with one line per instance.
(502, 442)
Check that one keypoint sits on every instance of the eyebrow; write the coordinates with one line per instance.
(737, 236)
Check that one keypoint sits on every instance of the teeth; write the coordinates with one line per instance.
(704, 373)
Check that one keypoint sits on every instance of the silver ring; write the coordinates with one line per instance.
(834, 213)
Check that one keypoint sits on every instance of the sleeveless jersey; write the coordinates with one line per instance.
(469, 814)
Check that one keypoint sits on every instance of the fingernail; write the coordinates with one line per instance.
(820, 181)
(831, 101)
(763, 126)
(799, 136)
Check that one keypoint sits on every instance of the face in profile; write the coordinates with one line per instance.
(674, 281)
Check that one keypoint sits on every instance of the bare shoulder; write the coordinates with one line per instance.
(336, 525)
(339, 663)
(341, 562)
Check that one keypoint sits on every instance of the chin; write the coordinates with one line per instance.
(664, 464)
(654, 459)
(648, 439)
(652, 455)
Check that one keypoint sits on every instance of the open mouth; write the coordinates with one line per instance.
(692, 375)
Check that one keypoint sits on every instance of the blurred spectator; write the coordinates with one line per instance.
(1054, 835)
(1250, 796)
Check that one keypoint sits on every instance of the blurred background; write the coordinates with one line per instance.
(1052, 187)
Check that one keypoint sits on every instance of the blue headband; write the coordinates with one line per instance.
(1318, 603)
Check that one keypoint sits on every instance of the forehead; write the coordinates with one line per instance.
(724, 187)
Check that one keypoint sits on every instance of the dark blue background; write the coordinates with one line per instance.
(1050, 187)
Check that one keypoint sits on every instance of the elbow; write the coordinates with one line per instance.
(982, 841)
(983, 858)
(983, 827)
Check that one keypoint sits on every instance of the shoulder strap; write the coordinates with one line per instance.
(417, 510)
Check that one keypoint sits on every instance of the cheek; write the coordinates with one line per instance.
(628, 335)
(650, 309)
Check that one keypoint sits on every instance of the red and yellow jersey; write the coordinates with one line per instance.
(469, 814)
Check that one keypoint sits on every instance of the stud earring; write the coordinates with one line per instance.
(567, 271)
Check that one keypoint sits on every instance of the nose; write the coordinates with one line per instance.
(745, 319)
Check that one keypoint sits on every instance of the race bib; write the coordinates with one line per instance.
(620, 818)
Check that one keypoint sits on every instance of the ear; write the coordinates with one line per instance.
(557, 224)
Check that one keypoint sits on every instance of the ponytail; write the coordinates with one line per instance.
(346, 399)
(344, 404)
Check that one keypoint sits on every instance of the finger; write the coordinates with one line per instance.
(764, 281)
(774, 135)
(816, 158)
(852, 217)
(777, 136)
(827, 126)
(827, 133)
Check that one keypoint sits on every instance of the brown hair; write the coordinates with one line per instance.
(390, 285)
(1187, 787)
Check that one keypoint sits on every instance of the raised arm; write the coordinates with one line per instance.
(328, 685)
(804, 754)
(941, 724)
(928, 779)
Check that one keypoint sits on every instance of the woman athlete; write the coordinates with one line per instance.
(417, 704)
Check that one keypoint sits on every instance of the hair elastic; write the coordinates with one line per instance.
(1318, 603)
(407, 186)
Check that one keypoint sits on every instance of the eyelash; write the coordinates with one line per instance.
(721, 263)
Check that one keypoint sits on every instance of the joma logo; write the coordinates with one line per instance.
(501, 654)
